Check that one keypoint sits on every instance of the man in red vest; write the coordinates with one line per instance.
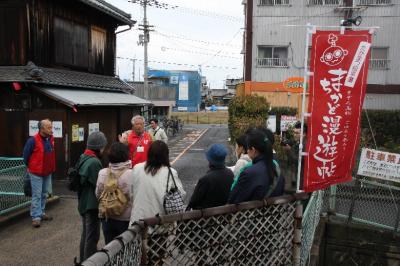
(137, 139)
(40, 158)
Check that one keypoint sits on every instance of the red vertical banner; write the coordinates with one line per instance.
(339, 63)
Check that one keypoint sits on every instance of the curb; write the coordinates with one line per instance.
(9, 217)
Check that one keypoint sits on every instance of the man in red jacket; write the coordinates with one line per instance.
(137, 139)
(39, 156)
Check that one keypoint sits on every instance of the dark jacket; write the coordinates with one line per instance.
(212, 189)
(89, 172)
(253, 183)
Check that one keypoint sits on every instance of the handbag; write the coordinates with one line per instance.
(173, 201)
(27, 185)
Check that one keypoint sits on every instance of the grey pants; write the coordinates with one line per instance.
(90, 234)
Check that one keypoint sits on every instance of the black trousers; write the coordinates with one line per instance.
(90, 234)
(113, 228)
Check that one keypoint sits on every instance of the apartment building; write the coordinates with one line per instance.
(274, 47)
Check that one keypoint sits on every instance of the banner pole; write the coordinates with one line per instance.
(310, 31)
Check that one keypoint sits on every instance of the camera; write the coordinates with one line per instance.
(285, 142)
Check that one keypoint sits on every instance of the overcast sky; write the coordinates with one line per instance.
(207, 33)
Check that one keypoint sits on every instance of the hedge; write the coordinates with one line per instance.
(246, 112)
(385, 126)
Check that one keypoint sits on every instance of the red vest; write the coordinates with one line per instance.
(41, 163)
(140, 155)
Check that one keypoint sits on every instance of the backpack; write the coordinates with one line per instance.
(112, 201)
(74, 179)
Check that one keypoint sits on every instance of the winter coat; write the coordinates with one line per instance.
(149, 191)
(212, 189)
(158, 134)
(242, 162)
(125, 179)
(89, 172)
(253, 183)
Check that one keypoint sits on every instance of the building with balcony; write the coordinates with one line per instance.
(274, 49)
(185, 83)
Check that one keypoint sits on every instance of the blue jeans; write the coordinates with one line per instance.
(40, 185)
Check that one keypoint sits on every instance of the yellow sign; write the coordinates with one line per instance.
(293, 83)
(75, 133)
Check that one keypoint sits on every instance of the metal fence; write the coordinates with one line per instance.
(367, 201)
(360, 201)
(12, 172)
(253, 233)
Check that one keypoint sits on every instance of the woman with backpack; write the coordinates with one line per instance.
(256, 181)
(115, 208)
(87, 201)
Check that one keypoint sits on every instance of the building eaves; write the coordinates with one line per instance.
(111, 10)
(61, 77)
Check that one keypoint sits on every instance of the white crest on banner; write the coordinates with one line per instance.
(333, 55)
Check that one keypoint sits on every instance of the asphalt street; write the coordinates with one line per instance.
(57, 242)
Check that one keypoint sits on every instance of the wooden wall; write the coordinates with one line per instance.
(58, 33)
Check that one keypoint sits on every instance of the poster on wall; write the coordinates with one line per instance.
(93, 127)
(33, 127)
(271, 123)
(57, 129)
(336, 96)
(379, 164)
(183, 90)
(75, 133)
(81, 134)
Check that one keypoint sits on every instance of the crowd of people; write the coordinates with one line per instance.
(139, 174)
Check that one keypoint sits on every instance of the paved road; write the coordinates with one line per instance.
(57, 242)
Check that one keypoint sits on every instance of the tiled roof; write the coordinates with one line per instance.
(111, 10)
(61, 77)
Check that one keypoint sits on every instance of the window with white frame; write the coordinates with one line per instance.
(274, 2)
(325, 2)
(379, 58)
(272, 56)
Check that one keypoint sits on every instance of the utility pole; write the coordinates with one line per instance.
(145, 37)
(144, 40)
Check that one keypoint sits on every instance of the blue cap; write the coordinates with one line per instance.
(216, 154)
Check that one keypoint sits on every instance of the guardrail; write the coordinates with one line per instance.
(264, 232)
(12, 172)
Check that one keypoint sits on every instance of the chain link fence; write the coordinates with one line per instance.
(361, 201)
(12, 172)
(367, 201)
(252, 233)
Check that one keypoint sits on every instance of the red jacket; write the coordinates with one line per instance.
(42, 163)
(139, 152)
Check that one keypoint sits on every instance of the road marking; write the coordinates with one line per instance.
(188, 147)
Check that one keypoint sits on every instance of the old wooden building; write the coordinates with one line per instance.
(57, 61)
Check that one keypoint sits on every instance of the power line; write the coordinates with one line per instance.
(183, 37)
(180, 64)
(196, 52)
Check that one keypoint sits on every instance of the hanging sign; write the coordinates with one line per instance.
(93, 127)
(57, 129)
(379, 164)
(271, 123)
(75, 133)
(33, 127)
(287, 121)
(337, 90)
(81, 131)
